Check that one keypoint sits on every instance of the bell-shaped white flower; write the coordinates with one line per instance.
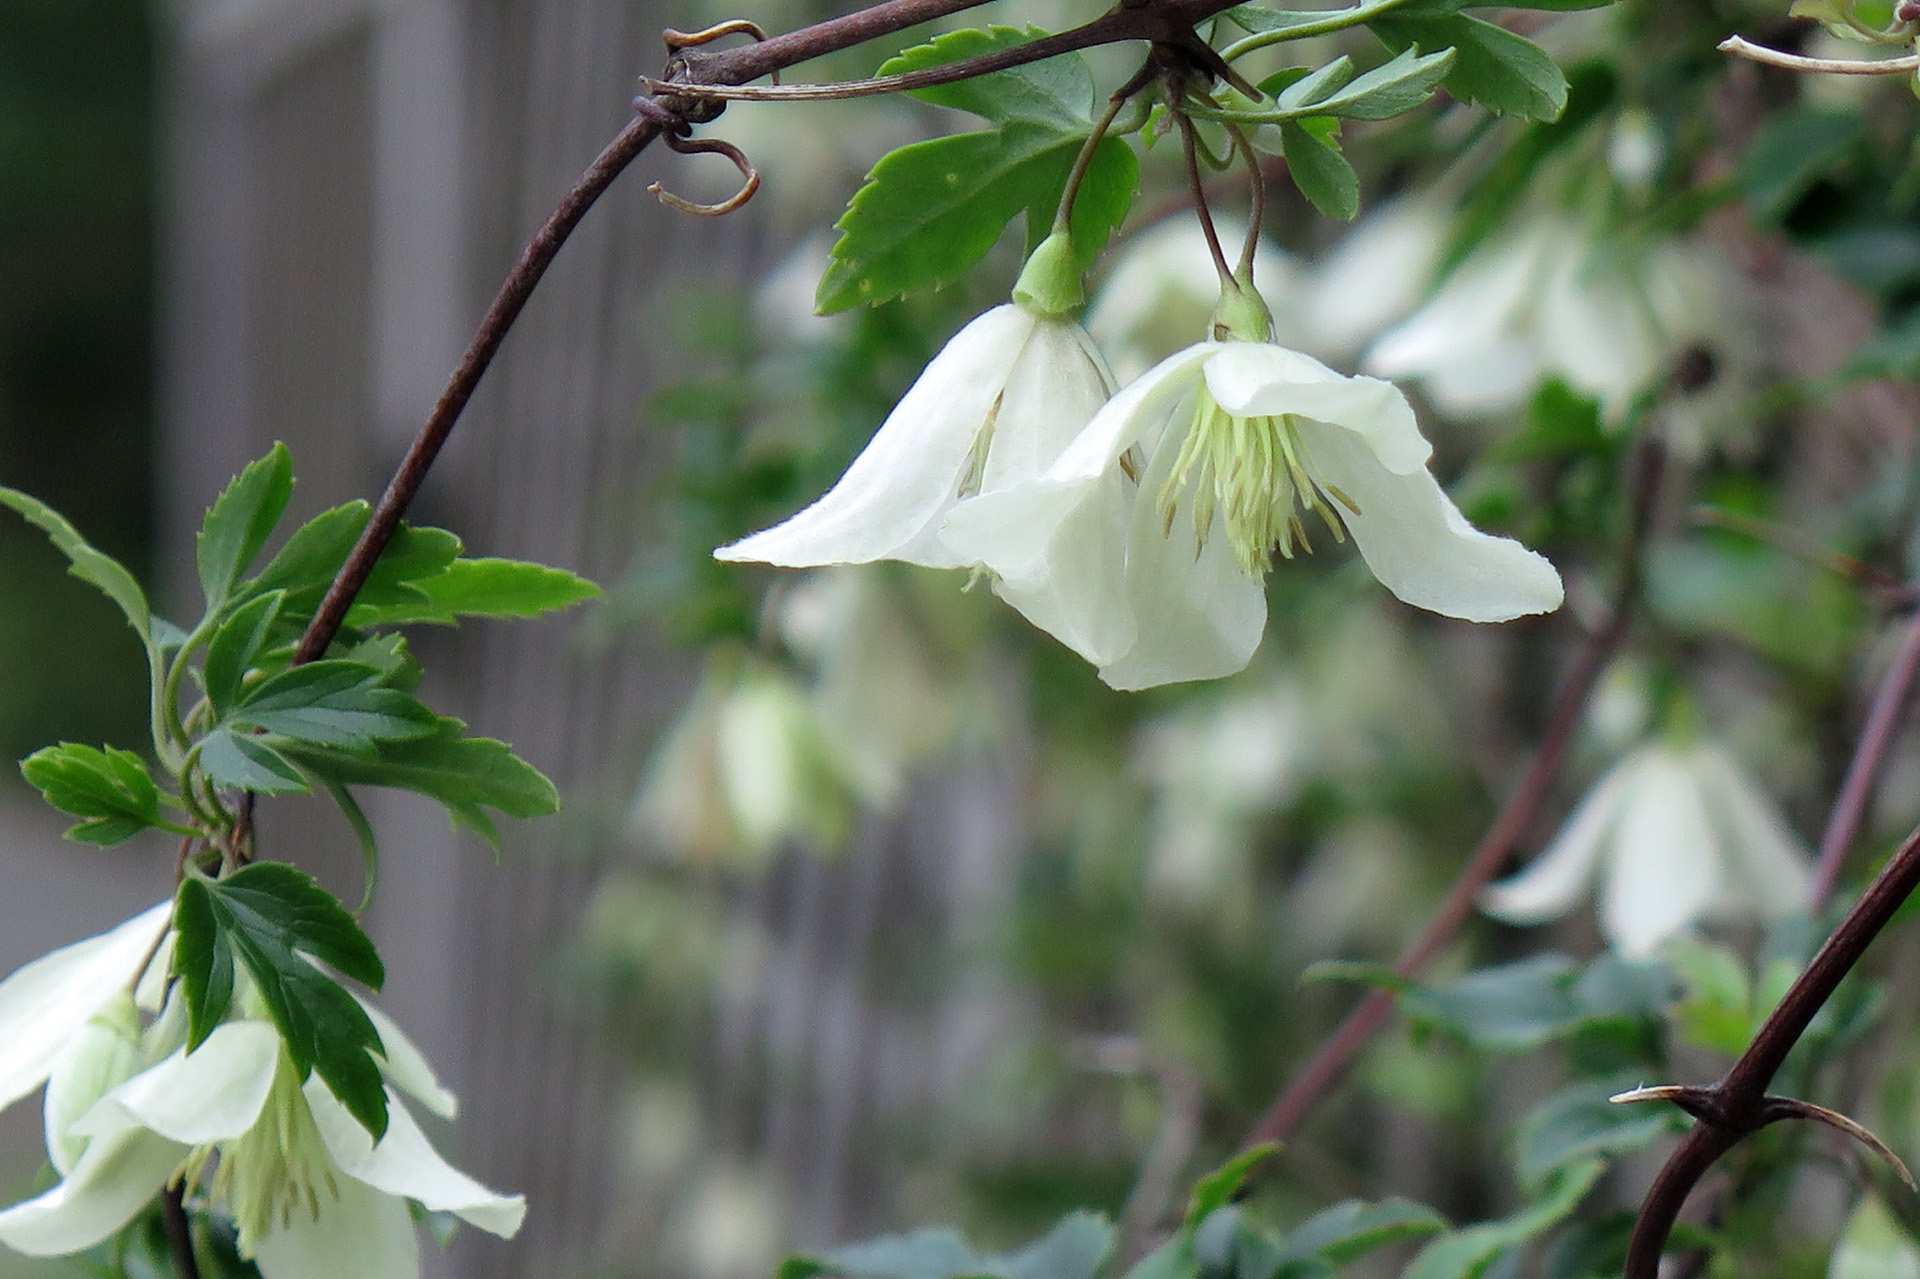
(995, 407)
(1251, 447)
(312, 1194)
(1676, 834)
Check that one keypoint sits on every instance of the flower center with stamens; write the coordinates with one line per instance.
(277, 1168)
(1257, 473)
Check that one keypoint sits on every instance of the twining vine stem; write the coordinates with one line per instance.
(1329, 1063)
(1161, 21)
(1869, 757)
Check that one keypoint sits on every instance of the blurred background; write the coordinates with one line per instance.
(871, 907)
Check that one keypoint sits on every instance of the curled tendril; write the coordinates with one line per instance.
(678, 40)
(689, 146)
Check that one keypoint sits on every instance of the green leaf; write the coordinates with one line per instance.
(239, 522)
(339, 704)
(1578, 1122)
(277, 921)
(363, 835)
(306, 565)
(1259, 20)
(1075, 1248)
(1512, 1008)
(1492, 66)
(95, 568)
(481, 588)
(110, 788)
(1467, 1254)
(1793, 151)
(237, 647)
(1351, 1229)
(1316, 166)
(930, 210)
(242, 761)
(466, 774)
(1217, 1188)
(1309, 89)
(1397, 86)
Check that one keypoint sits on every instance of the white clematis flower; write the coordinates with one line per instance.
(1676, 834)
(312, 1194)
(994, 408)
(1250, 443)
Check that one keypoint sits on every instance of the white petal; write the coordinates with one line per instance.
(1259, 379)
(210, 1094)
(1053, 390)
(1664, 872)
(1766, 864)
(113, 1180)
(1070, 582)
(1195, 616)
(1553, 883)
(1419, 545)
(362, 1233)
(890, 501)
(1594, 330)
(100, 1056)
(408, 1067)
(45, 1002)
(405, 1163)
(1140, 408)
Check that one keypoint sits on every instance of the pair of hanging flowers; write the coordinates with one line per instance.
(1136, 524)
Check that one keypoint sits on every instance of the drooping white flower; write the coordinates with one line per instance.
(1375, 275)
(1552, 298)
(312, 1194)
(995, 407)
(1676, 834)
(1246, 443)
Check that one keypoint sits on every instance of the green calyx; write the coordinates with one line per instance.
(1241, 316)
(1050, 283)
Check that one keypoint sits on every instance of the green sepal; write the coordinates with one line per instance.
(1050, 283)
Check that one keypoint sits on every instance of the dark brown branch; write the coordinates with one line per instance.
(1326, 1066)
(173, 1216)
(1740, 1099)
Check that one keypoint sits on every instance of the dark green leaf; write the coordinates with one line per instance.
(239, 522)
(339, 704)
(272, 918)
(1513, 1008)
(1794, 150)
(1579, 1122)
(242, 761)
(1054, 93)
(466, 774)
(110, 788)
(98, 570)
(1467, 1254)
(1492, 66)
(1073, 1249)
(1355, 1227)
(481, 588)
(1217, 1188)
(1323, 175)
(306, 565)
(237, 647)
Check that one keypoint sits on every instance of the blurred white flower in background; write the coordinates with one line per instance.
(1160, 294)
(1375, 275)
(1551, 297)
(1676, 835)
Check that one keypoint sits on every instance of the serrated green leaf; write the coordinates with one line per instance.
(481, 588)
(96, 568)
(1054, 93)
(237, 646)
(272, 917)
(1578, 1122)
(239, 522)
(339, 704)
(1323, 175)
(1467, 1254)
(1392, 88)
(930, 210)
(306, 565)
(1351, 1229)
(1492, 66)
(466, 774)
(110, 788)
(241, 761)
